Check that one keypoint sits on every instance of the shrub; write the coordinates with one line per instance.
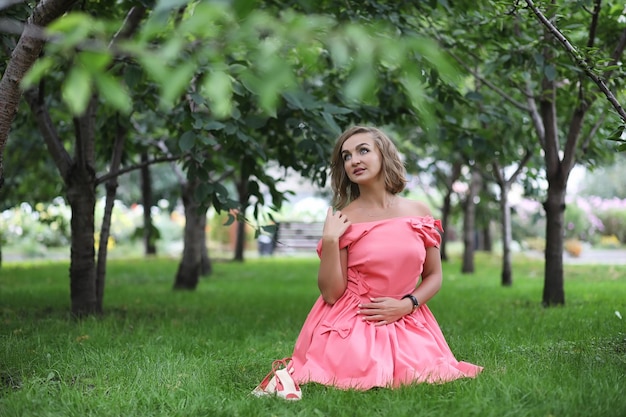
(573, 247)
(611, 242)
(610, 213)
(577, 222)
(614, 220)
(535, 243)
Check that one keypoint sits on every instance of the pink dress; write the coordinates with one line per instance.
(336, 347)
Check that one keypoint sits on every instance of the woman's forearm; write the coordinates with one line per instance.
(427, 289)
(331, 276)
(432, 276)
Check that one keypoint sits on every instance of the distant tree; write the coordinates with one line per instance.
(247, 47)
(559, 94)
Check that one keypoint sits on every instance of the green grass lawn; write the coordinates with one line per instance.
(163, 353)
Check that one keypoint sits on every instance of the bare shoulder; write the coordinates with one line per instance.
(349, 209)
(415, 208)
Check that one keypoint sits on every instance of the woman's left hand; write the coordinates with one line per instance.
(383, 310)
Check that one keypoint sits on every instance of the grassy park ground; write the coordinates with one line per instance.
(157, 352)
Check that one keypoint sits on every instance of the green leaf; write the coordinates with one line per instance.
(187, 140)
(617, 134)
(208, 140)
(361, 85)
(255, 121)
(133, 76)
(244, 7)
(293, 99)
(94, 61)
(218, 87)
(474, 96)
(75, 28)
(333, 109)
(339, 52)
(37, 71)
(550, 72)
(154, 66)
(76, 90)
(220, 190)
(178, 80)
(113, 92)
(214, 125)
(330, 121)
(231, 219)
(202, 191)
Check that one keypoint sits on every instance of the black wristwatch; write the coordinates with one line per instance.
(413, 300)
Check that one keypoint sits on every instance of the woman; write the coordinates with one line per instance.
(370, 326)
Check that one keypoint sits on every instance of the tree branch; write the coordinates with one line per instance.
(177, 171)
(593, 27)
(520, 167)
(580, 61)
(489, 84)
(60, 156)
(592, 133)
(110, 175)
(24, 55)
(130, 25)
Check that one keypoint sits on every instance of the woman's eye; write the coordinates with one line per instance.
(346, 157)
(363, 151)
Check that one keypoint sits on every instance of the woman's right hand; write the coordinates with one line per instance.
(335, 225)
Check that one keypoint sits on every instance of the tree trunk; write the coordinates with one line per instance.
(105, 230)
(189, 268)
(446, 209)
(469, 223)
(505, 209)
(81, 184)
(146, 200)
(24, 55)
(487, 242)
(240, 241)
(206, 267)
(82, 199)
(553, 289)
(445, 220)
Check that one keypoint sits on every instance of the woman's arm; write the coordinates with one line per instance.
(432, 278)
(332, 276)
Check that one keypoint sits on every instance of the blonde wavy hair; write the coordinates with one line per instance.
(394, 173)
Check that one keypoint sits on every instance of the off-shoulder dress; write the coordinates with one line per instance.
(336, 347)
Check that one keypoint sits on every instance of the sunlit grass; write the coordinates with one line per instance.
(158, 352)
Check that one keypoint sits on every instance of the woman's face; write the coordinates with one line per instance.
(362, 159)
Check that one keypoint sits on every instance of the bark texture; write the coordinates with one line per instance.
(26, 52)
(446, 209)
(469, 223)
(105, 230)
(190, 266)
(149, 238)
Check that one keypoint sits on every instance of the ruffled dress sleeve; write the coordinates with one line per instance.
(430, 230)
